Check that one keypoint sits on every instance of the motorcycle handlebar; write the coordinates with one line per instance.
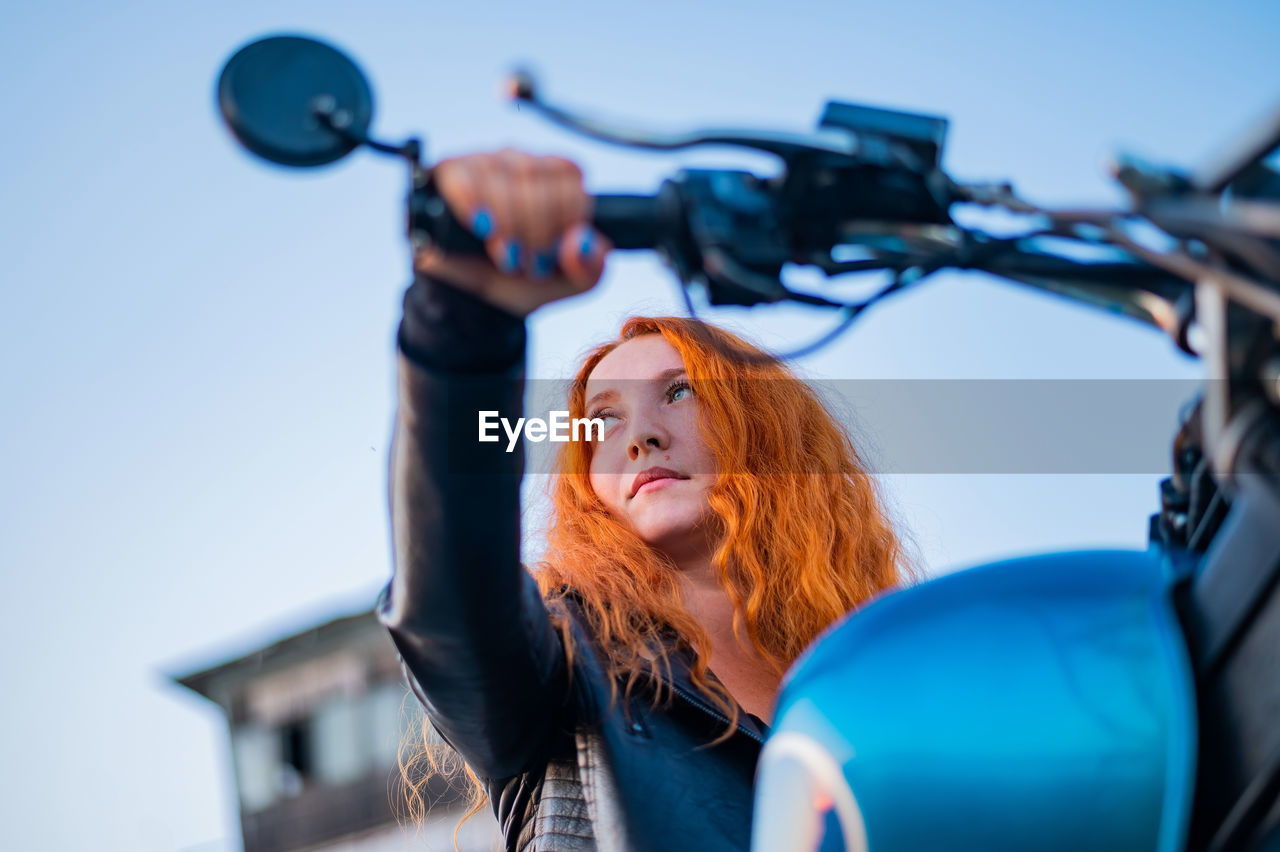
(629, 221)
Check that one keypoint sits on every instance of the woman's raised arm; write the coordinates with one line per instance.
(467, 618)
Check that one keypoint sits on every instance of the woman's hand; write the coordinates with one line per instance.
(533, 214)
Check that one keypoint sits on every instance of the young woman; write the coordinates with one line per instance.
(616, 697)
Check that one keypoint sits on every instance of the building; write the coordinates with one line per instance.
(316, 720)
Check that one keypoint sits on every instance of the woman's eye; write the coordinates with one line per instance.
(679, 391)
(606, 416)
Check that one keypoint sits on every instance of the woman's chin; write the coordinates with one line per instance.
(673, 531)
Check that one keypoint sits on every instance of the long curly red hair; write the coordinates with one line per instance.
(803, 533)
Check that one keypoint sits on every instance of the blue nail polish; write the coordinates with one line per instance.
(513, 256)
(542, 264)
(482, 224)
(587, 244)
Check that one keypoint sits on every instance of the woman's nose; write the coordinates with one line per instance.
(646, 436)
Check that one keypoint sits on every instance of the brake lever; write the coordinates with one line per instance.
(788, 146)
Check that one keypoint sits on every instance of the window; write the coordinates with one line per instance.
(255, 748)
(297, 752)
(390, 717)
(343, 741)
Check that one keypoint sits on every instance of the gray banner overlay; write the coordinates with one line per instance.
(943, 426)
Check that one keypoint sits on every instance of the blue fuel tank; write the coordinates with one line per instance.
(1042, 703)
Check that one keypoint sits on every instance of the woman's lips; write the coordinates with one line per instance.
(656, 483)
(652, 476)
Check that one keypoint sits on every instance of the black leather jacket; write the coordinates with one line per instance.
(565, 768)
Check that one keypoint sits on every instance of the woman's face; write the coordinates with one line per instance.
(652, 470)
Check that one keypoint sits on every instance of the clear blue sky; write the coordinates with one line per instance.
(196, 349)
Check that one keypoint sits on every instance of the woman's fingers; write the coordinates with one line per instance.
(566, 204)
(524, 176)
(581, 255)
(532, 214)
(460, 183)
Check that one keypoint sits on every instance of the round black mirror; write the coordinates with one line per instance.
(295, 101)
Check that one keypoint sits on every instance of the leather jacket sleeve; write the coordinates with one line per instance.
(467, 618)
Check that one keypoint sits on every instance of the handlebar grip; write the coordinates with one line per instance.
(629, 221)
